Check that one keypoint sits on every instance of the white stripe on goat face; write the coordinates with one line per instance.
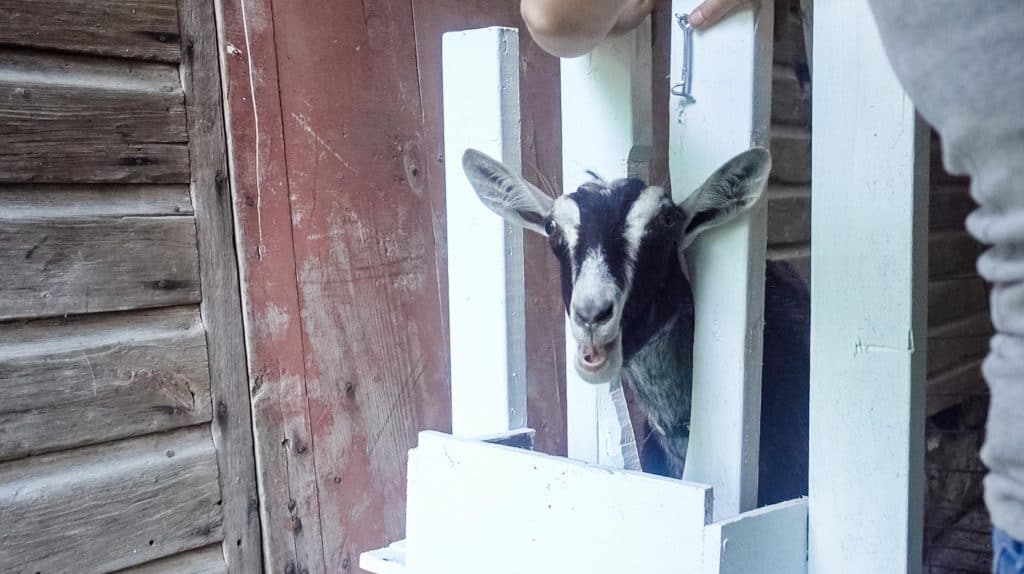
(595, 287)
(567, 216)
(650, 202)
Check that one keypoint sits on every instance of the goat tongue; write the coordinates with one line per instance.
(592, 357)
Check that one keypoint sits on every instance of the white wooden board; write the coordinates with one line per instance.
(606, 113)
(769, 540)
(869, 280)
(732, 86)
(477, 507)
(486, 297)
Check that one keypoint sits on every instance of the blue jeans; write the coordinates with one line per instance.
(1008, 554)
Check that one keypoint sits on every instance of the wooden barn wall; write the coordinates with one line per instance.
(125, 423)
(336, 151)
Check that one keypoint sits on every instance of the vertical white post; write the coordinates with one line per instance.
(486, 297)
(732, 85)
(868, 298)
(606, 115)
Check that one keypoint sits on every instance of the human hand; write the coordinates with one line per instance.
(711, 11)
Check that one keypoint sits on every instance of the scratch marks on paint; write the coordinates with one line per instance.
(302, 121)
(863, 348)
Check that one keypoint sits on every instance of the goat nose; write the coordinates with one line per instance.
(592, 313)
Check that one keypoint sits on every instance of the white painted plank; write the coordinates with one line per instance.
(869, 280)
(606, 113)
(769, 540)
(387, 560)
(478, 507)
(486, 296)
(732, 87)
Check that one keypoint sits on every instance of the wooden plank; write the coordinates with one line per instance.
(78, 381)
(868, 293)
(952, 254)
(85, 201)
(326, 264)
(69, 266)
(289, 482)
(769, 540)
(166, 483)
(94, 163)
(789, 214)
(208, 560)
(67, 101)
(486, 291)
(957, 342)
(221, 306)
(477, 507)
(731, 113)
(606, 114)
(142, 29)
(791, 154)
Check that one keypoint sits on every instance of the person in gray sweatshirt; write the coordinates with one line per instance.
(962, 64)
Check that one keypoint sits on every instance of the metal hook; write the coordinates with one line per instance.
(682, 89)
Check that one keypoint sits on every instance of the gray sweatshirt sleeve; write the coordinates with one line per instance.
(962, 63)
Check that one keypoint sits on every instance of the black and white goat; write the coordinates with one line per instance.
(625, 285)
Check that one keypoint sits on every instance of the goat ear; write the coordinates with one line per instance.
(730, 191)
(505, 193)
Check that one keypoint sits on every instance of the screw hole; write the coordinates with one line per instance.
(238, 542)
(150, 542)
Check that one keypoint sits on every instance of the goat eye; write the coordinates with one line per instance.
(550, 228)
(668, 218)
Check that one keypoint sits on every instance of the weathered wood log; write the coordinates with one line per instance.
(79, 381)
(56, 200)
(144, 29)
(110, 506)
(208, 560)
(68, 266)
(67, 100)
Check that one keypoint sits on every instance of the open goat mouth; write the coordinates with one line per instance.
(592, 358)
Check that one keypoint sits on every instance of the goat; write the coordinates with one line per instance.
(625, 286)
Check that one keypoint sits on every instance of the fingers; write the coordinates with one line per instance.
(711, 11)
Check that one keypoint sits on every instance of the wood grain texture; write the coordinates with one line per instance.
(208, 560)
(289, 503)
(86, 201)
(143, 29)
(72, 100)
(221, 305)
(66, 119)
(89, 265)
(165, 483)
(44, 162)
(78, 381)
(343, 257)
